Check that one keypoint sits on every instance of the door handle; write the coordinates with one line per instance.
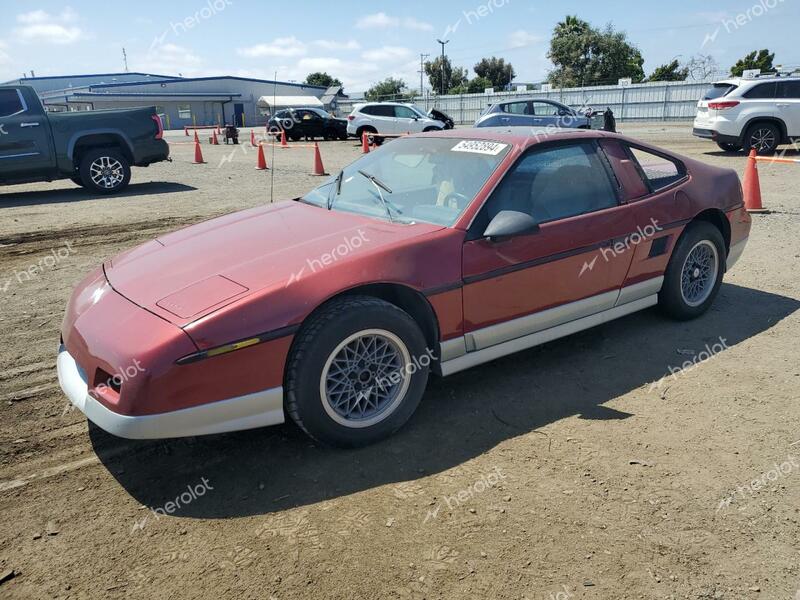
(29, 124)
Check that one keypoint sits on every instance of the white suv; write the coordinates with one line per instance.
(759, 113)
(389, 117)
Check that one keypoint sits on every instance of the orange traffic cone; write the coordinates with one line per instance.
(186, 131)
(198, 154)
(751, 186)
(214, 140)
(318, 168)
(261, 164)
(364, 143)
(283, 139)
(252, 138)
(196, 139)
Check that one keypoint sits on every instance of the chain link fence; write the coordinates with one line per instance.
(658, 101)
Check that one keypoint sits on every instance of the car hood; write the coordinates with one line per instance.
(186, 275)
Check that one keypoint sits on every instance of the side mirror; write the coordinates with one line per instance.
(508, 223)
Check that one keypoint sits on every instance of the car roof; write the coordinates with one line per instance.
(754, 80)
(521, 137)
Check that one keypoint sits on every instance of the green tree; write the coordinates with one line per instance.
(669, 72)
(583, 54)
(321, 79)
(757, 59)
(454, 77)
(477, 85)
(388, 89)
(496, 70)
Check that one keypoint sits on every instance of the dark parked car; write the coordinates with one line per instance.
(95, 149)
(435, 113)
(533, 113)
(308, 123)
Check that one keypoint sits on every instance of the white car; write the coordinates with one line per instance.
(389, 117)
(759, 113)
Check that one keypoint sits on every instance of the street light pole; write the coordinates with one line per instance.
(443, 43)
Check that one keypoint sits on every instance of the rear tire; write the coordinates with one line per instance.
(105, 171)
(694, 273)
(764, 137)
(357, 372)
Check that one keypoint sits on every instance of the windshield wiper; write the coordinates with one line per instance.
(379, 185)
(337, 186)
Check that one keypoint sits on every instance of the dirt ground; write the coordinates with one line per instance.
(571, 471)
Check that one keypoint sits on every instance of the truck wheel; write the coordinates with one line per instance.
(105, 171)
(357, 372)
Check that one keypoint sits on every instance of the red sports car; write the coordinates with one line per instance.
(435, 253)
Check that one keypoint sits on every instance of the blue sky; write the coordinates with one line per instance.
(364, 42)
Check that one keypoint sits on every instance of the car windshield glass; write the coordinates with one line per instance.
(718, 90)
(432, 180)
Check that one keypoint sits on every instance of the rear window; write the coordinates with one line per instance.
(10, 103)
(760, 92)
(718, 90)
(659, 171)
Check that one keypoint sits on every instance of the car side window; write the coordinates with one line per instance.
(789, 89)
(551, 184)
(403, 112)
(383, 110)
(10, 104)
(761, 92)
(516, 108)
(545, 109)
(658, 171)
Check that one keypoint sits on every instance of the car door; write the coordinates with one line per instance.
(383, 118)
(788, 105)
(407, 121)
(25, 144)
(566, 270)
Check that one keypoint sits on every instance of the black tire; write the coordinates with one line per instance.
(727, 147)
(329, 134)
(295, 136)
(315, 347)
(764, 137)
(119, 171)
(671, 299)
(427, 129)
(343, 135)
(366, 129)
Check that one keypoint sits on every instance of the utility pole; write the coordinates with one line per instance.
(443, 43)
(125, 59)
(422, 58)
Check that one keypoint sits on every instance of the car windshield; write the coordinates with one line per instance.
(718, 90)
(431, 180)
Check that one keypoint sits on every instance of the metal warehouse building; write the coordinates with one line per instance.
(180, 100)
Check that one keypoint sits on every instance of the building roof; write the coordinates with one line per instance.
(23, 79)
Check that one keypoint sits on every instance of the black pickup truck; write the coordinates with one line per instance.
(95, 149)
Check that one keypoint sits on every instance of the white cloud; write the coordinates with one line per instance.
(383, 21)
(336, 45)
(170, 59)
(283, 47)
(386, 53)
(522, 38)
(41, 27)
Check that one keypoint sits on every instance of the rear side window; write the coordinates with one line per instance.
(10, 104)
(761, 92)
(789, 89)
(545, 109)
(658, 171)
(718, 90)
(516, 108)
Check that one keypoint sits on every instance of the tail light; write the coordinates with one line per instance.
(351, 117)
(159, 127)
(723, 105)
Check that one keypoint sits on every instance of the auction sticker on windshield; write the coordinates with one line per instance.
(479, 147)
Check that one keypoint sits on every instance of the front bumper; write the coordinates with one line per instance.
(244, 412)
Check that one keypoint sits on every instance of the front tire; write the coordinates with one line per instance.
(764, 137)
(105, 171)
(694, 273)
(357, 372)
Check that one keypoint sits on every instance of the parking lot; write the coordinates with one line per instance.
(644, 458)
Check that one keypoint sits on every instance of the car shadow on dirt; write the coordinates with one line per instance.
(76, 194)
(463, 416)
